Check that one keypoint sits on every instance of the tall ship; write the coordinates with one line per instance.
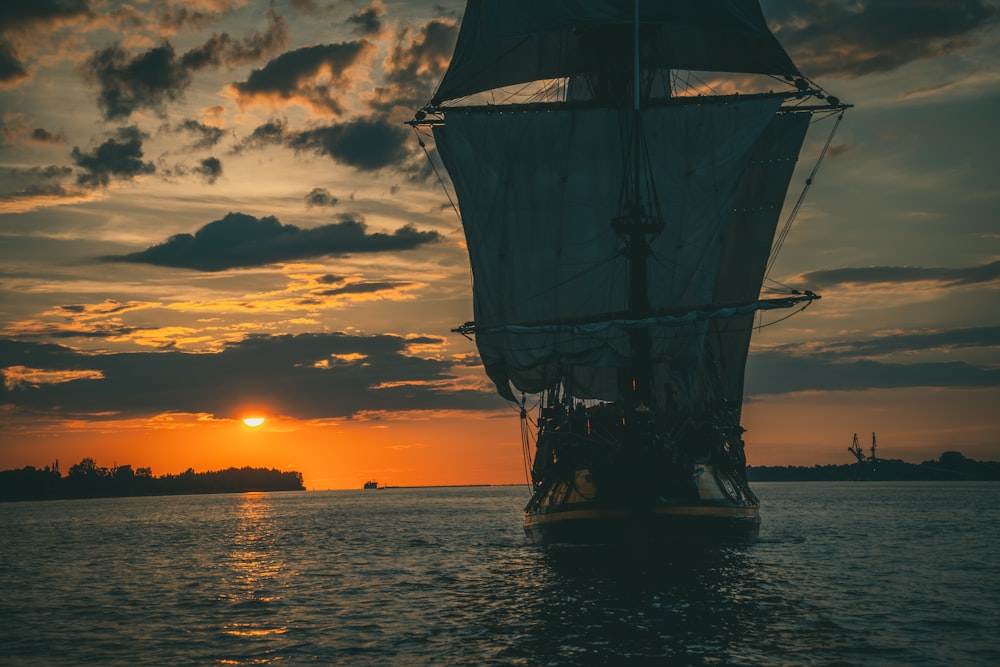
(620, 169)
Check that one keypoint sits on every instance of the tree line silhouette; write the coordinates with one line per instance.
(950, 466)
(88, 480)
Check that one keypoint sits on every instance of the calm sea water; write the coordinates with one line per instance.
(844, 574)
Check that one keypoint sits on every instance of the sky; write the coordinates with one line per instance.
(212, 210)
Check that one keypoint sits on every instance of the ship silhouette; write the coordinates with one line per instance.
(620, 202)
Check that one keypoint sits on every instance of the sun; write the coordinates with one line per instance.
(253, 422)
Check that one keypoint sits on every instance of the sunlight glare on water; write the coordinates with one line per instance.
(847, 574)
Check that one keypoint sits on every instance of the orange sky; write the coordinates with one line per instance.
(448, 448)
(140, 311)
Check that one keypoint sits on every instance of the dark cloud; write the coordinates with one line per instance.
(364, 143)
(151, 79)
(40, 135)
(330, 279)
(368, 21)
(15, 130)
(20, 19)
(210, 169)
(98, 331)
(30, 14)
(312, 76)
(909, 342)
(320, 197)
(146, 81)
(47, 172)
(367, 143)
(305, 377)
(206, 136)
(223, 49)
(858, 38)
(415, 66)
(870, 363)
(240, 240)
(120, 157)
(983, 273)
(270, 133)
(364, 288)
(776, 373)
(12, 70)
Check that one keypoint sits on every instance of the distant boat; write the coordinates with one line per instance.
(372, 485)
(620, 216)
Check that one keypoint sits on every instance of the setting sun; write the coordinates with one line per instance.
(253, 422)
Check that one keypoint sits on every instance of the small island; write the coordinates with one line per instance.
(88, 480)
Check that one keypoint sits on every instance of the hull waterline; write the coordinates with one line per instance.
(718, 506)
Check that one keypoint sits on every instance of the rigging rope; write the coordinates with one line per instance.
(776, 248)
(451, 201)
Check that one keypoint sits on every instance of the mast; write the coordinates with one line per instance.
(634, 225)
(578, 279)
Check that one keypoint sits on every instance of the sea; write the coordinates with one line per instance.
(858, 573)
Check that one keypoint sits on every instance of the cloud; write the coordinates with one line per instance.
(42, 173)
(206, 136)
(223, 49)
(20, 20)
(210, 169)
(239, 241)
(365, 143)
(40, 135)
(320, 197)
(37, 196)
(365, 288)
(312, 76)
(415, 66)
(983, 273)
(33, 188)
(272, 132)
(151, 79)
(15, 130)
(858, 38)
(12, 70)
(776, 373)
(146, 81)
(40, 14)
(119, 157)
(893, 343)
(368, 21)
(872, 362)
(308, 376)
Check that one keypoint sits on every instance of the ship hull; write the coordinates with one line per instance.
(717, 507)
(586, 523)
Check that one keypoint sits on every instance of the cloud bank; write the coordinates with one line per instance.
(871, 275)
(857, 38)
(309, 376)
(241, 241)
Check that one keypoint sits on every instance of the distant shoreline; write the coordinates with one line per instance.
(950, 467)
(88, 480)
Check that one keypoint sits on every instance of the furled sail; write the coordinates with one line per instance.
(508, 42)
(537, 190)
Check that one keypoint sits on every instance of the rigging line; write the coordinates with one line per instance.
(776, 248)
(778, 282)
(568, 279)
(451, 201)
(771, 324)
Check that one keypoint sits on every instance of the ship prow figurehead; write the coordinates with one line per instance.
(621, 211)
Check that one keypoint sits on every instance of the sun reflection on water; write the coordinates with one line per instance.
(256, 571)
